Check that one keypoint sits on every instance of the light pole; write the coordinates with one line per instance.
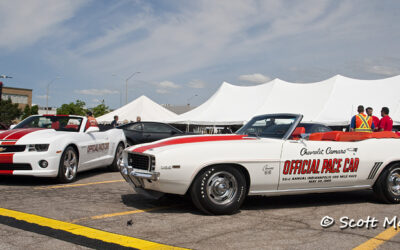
(47, 93)
(126, 85)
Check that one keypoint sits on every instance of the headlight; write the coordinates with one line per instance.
(38, 147)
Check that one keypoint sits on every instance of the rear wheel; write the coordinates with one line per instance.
(219, 190)
(387, 187)
(117, 158)
(68, 165)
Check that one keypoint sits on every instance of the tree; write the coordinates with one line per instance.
(100, 109)
(76, 108)
(9, 111)
(28, 111)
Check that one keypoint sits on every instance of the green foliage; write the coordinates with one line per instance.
(76, 108)
(9, 112)
(100, 109)
(28, 111)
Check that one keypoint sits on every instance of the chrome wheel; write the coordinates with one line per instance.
(120, 150)
(394, 181)
(70, 164)
(221, 188)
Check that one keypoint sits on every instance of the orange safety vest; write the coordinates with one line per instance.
(363, 123)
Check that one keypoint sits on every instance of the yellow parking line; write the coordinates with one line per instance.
(379, 239)
(96, 217)
(87, 232)
(78, 185)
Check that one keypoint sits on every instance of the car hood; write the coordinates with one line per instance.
(29, 135)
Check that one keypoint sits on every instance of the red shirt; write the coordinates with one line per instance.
(386, 123)
(375, 120)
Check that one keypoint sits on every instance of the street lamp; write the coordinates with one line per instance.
(47, 93)
(126, 85)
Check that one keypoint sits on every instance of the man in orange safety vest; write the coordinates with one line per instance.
(361, 122)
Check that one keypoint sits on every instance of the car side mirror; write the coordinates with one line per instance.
(92, 129)
(13, 126)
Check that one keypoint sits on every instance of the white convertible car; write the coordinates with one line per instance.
(268, 157)
(58, 146)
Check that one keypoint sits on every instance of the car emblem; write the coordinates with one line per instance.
(3, 149)
(267, 170)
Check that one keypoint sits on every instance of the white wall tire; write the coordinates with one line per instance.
(387, 187)
(219, 190)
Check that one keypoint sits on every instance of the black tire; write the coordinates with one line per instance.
(68, 167)
(117, 157)
(387, 187)
(219, 190)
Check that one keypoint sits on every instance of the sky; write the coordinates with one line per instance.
(184, 50)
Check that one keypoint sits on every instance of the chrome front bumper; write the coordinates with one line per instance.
(135, 177)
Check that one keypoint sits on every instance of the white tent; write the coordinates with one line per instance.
(333, 101)
(144, 107)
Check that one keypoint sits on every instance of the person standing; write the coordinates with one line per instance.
(138, 119)
(375, 119)
(386, 123)
(361, 122)
(114, 123)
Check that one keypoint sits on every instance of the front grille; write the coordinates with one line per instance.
(15, 166)
(12, 148)
(139, 161)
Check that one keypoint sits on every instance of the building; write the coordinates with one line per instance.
(18, 95)
(47, 111)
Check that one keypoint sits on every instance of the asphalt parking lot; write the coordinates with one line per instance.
(100, 210)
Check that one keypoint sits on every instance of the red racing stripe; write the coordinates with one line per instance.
(21, 133)
(7, 133)
(8, 142)
(6, 158)
(6, 172)
(191, 140)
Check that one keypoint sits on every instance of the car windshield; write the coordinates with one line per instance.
(269, 126)
(59, 123)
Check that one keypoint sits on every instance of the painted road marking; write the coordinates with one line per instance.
(78, 185)
(96, 217)
(86, 236)
(379, 239)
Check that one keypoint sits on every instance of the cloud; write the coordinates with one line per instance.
(196, 84)
(162, 91)
(256, 78)
(168, 84)
(41, 96)
(26, 22)
(98, 92)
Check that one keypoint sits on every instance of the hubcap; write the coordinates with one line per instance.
(222, 188)
(394, 181)
(119, 155)
(70, 164)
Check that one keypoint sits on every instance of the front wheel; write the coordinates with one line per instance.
(387, 187)
(219, 190)
(68, 165)
(117, 158)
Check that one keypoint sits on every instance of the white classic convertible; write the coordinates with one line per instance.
(58, 146)
(269, 157)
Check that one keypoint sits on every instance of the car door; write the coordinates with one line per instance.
(156, 131)
(134, 133)
(319, 164)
